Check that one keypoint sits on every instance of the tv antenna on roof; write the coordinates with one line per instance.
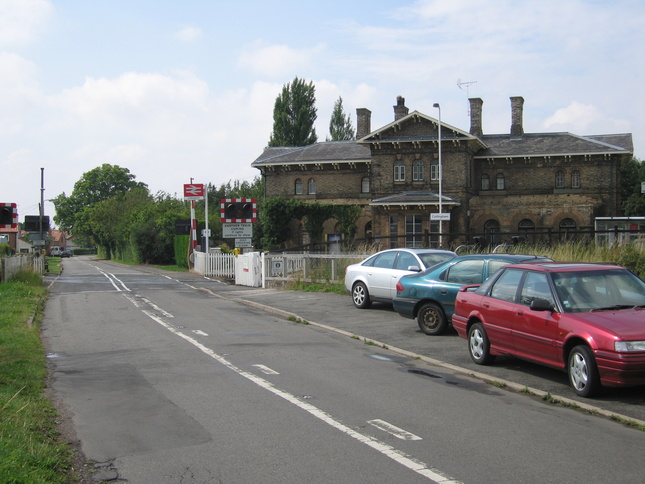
(467, 84)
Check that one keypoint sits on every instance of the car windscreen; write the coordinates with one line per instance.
(432, 259)
(599, 289)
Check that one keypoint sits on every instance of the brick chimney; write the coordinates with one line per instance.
(400, 110)
(517, 109)
(476, 116)
(363, 122)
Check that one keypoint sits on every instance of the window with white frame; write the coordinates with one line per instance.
(559, 179)
(485, 182)
(298, 187)
(413, 231)
(434, 170)
(575, 179)
(417, 170)
(399, 171)
(501, 185)
(311, 186)
(365, 184)
(394, 231)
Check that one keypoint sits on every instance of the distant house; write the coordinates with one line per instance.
(492, 185)
(9, 236)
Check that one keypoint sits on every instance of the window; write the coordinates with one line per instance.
(434, 170)
(526, 225)
(405, 260)
(385, 260)
(567, 226)
(365, 184)
(311, 186)
(399, 171)
(505, 287)
(575, 179)
(485, 182)
(535, 287)
(417, 170)
(500, 181)
(413, 233)
(394, 231)
(559, 180)
(466, 272)
(298, 187)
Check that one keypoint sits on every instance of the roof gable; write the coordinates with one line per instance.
(323, 152)
(418, 127)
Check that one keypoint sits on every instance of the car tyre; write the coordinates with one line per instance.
(361, 296)
(431, 319)
(479, 345)
(583, 371)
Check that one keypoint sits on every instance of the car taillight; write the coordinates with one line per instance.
(399, 286)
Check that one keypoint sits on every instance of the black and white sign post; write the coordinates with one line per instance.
(238, 215)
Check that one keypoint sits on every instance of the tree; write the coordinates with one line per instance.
(340, 125)
(633, 201)
(94, 186)
(294, 114)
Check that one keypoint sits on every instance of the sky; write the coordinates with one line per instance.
(183, 90)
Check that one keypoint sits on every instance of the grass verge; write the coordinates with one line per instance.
(31, 450)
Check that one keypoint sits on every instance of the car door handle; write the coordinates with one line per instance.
(520, 313)
(443, 291)
(486, 305)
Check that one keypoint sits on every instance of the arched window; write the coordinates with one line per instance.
(567, 229)
(575, 179)
(559, 179)
(365, 184)
(368, 233)
(485, 182)
(500, 181)
(399, 171)
(526, 225)
(311, 186)
(298, 187)
(417, 170)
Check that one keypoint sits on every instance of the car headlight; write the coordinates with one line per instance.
(623, 346)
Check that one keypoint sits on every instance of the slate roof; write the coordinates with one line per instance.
(415, 198)
(550, 144)
(322, 152)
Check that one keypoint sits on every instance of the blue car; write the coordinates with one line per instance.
(429, 296)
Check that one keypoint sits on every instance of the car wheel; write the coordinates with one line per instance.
(478, 345)
(583, 372)
(431, 319)
(361, 296)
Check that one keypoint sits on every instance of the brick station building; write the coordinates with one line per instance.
(492, 185)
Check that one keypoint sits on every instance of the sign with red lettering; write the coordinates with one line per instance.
(194, 191)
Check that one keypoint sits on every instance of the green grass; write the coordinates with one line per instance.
(30, 448)
(317, 287)
(174, 268)
(54, 265)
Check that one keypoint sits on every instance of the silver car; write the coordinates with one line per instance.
(375, 278)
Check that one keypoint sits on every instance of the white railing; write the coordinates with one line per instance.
(9, 266)
(215, 264)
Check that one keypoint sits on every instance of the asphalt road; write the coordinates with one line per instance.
(170, 377)
(382, 325)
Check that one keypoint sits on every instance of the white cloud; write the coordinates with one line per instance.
(22, 21)
(189, 34)
(277, 60)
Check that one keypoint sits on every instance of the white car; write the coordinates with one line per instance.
(375, 278)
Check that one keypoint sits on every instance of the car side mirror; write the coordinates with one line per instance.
(414, 268)
(540, 304)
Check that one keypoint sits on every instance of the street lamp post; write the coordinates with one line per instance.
(436, 105)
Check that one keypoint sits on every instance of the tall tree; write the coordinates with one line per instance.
(94, 186)
(340, 125)
(632, 175)
(294, 114)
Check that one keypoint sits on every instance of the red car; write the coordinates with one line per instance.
(586, 319)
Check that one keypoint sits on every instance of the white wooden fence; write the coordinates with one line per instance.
(255, 269)
(9, 266)
(215, 264)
